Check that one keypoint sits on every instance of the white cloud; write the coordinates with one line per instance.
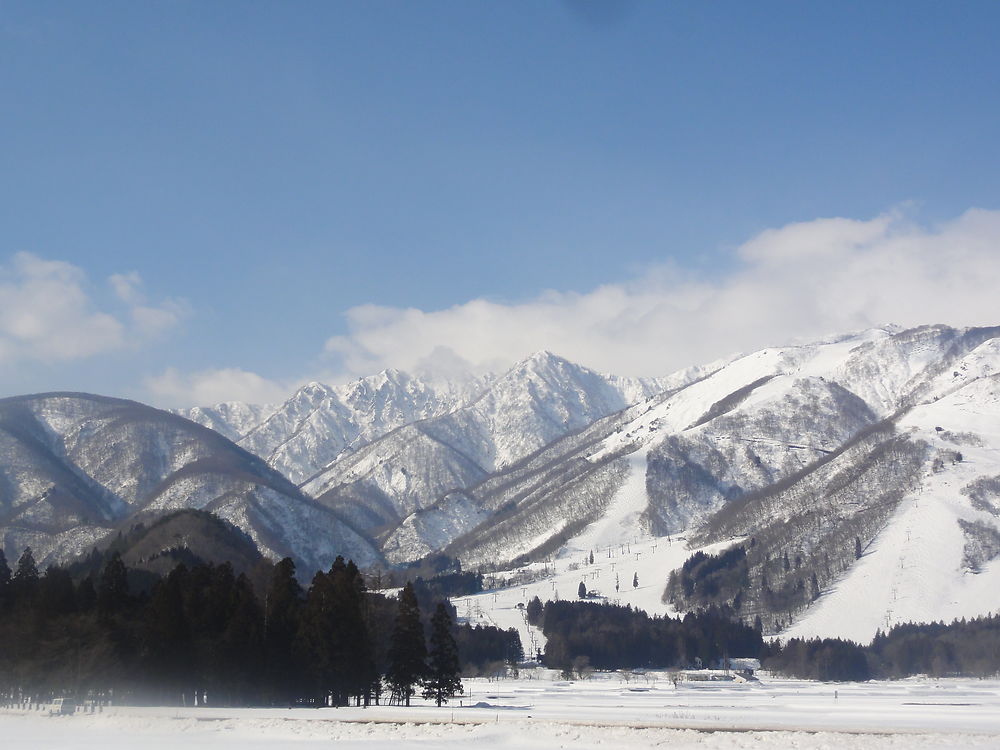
(46, 313)
(803, 280)
(148, 321)
(127, 287)
(213, 386)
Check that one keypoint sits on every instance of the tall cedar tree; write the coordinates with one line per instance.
(332, 635)
(283, 602)
(407, 649)
(112, 588)
(25, 579)
(443, 681)
(168, 639)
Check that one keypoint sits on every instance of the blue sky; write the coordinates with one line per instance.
(243, 195)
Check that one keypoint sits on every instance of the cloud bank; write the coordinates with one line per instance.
(48, 315)
(214, 386)
(801, 281)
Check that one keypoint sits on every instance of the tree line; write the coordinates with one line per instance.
(610, 636)
(968, 648)
(201, 635)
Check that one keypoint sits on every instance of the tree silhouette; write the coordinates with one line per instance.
(407, 649)
(112, 589)
(442, 681)
(24, 582)
(281, 611)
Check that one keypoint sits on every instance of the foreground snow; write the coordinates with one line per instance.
(540, 712)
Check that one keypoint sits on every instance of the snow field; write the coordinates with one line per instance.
(541, 711)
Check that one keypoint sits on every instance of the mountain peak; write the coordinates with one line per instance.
(313, 392)
(543, 359)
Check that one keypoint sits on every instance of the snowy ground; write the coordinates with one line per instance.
(548, 713)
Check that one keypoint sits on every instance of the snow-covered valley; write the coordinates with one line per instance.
(539, 710)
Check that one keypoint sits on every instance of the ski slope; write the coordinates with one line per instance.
(622, 554)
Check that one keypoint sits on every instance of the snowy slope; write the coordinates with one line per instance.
(231, 419)
(937, 558)
(74, 467)
(319, 423)
(412, 468)
(806, 448)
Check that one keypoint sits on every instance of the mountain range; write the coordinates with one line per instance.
(866, 462)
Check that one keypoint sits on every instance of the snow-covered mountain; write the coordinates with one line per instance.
(537, 401)
(861, 472)
(231, 419)
(319, 423)
(74, 467)
(807, 450)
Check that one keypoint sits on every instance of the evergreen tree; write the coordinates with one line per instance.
(240, 645)
(359, 655)
(857, 548)
(635, 580)
(333, 636)
(281, 613)
(24, 582)
(534, 611)
(112, 588)
(442, 681)
(407, 649)
(582, 591)
(168, 640)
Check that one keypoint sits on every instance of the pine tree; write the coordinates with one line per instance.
(363, 677)
(534, 611)
(282, 604)
(240, 645)
(582, 591)
(443, 681)
(407, 649)
(112, 588)
(635, 580)
(169, 647)
(86, 595)
(24, 582)
(317, 642)
(333, 635)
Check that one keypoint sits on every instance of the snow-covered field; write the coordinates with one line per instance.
(541, 711)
